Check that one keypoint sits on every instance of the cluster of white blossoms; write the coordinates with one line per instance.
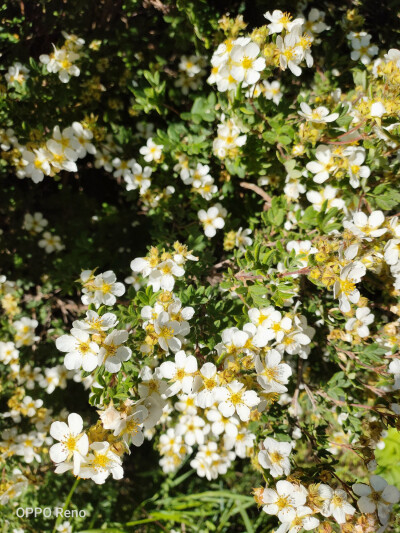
(162, 270)
(200, 179)
(89, 346)
(166, 324)
(336, 162)
(95, 460)
(62, 60)
(234, 62)
(191, 73)
(242, 61)
(25, 331)
(229, 139)
(13, 487)
(35, 224)
(59, 153)
(28, 438)
(101, 288)
(215, 404)
(303, 507)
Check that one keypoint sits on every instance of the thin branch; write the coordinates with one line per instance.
(257, 190)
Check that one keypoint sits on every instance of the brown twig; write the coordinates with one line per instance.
(257, 190)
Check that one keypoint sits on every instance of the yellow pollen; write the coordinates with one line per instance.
(247, 62)
(132, 427)
(100, 461)
(281, 502)
(270, 373)
(236, 397)
(106, 288)
(337, 500)
(275, 457)
(180, 374)
(347, 286)
(166, 332)
(70, 443)
(209, 383)
(84, 347)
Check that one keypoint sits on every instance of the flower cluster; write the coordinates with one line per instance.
(62, 60)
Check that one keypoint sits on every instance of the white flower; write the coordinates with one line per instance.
(272, 375)
(290, 55)
(152, 151)
(192, 428)
(17, 73)
(181, 373)
(205, 385)
(220, 424)
(242, 442)
(281, 21)
(392, 251)
(61, 61)
(30, 406)
(167, 331)
(338, 506)
(51, 243)
(122, 168)
(65, 527)
(103, 289)
(81, 350)
(302, 249)
(8, 352)
(275, 457)
(212, 219)
(315, 23)
(242, 239)
(100, 463)
(112, 352)
(328, 194)
(73, 443)
(303, 520)
(246, 65)
(283, 501)
(324, 166)
(362, 49)
(25, 332)
(272, 91)
(53, 377)
(345, 287)
(360, 323)
(377, 496)
(139, 178)
(131, 426)
(94, 323)
(7, 139)
(356, 169)
(36, 163)
(34, 223)
(163, 276)
(319, 115)
(235, 398)
(366, 227)
(83, 136)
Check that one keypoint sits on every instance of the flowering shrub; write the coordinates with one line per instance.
(200, 275)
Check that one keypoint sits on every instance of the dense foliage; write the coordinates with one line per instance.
(200, 266)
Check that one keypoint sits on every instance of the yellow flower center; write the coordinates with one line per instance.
(347, 286)
(100, 461)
